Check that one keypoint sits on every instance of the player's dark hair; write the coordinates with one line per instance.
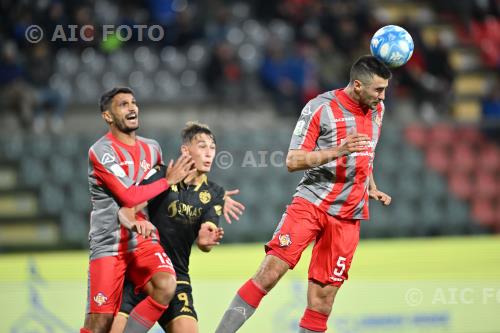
(194, 128)
(366, 67)
(107, 97)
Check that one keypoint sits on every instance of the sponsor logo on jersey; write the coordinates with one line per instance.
(107, 158)
(218, 210)
(285, 240)
(299, 127)
(117, 170)
(336, 120)
(127, 163)
(177, 208)
(205, 197)
(100, 299)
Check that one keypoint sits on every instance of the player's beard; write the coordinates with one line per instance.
(122, 126)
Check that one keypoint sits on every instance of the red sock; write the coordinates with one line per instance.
(148, 312)
(84, 330)
(252, 293)
(314, 321)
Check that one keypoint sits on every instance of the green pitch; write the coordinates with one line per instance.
(431, 285)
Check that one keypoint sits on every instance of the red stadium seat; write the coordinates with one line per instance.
(442, 135)
(460, 184)
(463, 157)
(417, 135)
(470, 135)
(484, 212)
(489, 158)
(485, 186)
(438, 158)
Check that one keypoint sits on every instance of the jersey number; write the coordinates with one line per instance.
(164, 259)
(339, 270)
(183, 297)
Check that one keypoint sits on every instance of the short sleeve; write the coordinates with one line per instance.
(107, 168)
(214, 211)
(307, 129)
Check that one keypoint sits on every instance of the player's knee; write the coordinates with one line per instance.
(320, 305)
(164, 285)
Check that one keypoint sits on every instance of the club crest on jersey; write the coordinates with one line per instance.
(218, 210)
(100, 299)
(145, 166)
(107, 158)
(205, 197)
(285, 240)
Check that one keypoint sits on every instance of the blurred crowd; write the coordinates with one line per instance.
(299, 48)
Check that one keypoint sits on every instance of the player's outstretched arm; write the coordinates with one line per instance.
(232, 208)
(209, 236)
(299, 159)
(376, 194)
(126, 216)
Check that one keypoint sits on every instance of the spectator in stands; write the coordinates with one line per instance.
(40, 68)
(16, 93)
(223, 74)
(331, 62)
(283, 75)
(491, 103)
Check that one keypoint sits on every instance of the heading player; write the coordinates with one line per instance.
(117, 162)
(187, 212)
(334, 142)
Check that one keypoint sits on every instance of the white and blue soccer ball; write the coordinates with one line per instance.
(393, 45)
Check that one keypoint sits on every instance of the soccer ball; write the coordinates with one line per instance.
(393, 45)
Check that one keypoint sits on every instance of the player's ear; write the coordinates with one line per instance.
(357, 85)
(106, 115)
(184, 149)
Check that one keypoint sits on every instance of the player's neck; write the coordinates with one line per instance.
(349, 90)
(126, 138)
(195, 179)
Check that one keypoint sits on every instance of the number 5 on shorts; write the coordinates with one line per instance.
(339, 270)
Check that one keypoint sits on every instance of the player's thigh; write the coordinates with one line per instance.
(147, 261)
(130, 298)
(298, 227)
(105, 285)
(333, 252)
(181, 311)
(320, 297)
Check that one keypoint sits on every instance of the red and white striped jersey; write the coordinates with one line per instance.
(114, 173)
(339, 187)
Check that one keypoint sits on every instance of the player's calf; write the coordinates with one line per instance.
(251, 293)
